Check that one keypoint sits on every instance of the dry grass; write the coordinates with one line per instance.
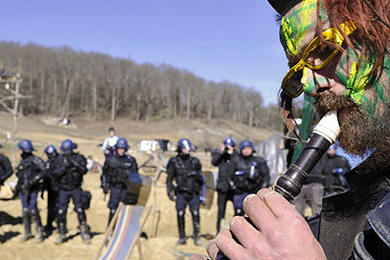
(88, 135)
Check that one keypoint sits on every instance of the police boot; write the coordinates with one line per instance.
(51, 216)
(36, 219)
(112, 213)
(181, 226)
(196, 224)
(27, 225)
(84, 229)
(61, 223)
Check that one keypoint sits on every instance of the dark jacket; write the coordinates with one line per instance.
(250, 174)
(117, 169)
(349, 217)
(224, 162)
(30, 172)
(186, 171)
(5, 169)
(334, 168)
(70, 171)
(51, 180)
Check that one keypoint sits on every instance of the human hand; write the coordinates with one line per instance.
(279, 232)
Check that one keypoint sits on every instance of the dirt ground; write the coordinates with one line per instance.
(88, 134)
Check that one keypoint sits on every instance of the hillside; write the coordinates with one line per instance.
(88, 134)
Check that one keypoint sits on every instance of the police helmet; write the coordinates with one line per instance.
(229, 141)
(184, 143)
(246, 143)
(67, 146)
(122, 143)
(26, 146)
(50, 149)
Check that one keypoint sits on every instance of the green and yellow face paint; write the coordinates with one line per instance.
(298, 28)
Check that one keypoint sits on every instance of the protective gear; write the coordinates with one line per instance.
(196, 225)
(70, 171)
(36, 219)
(67, 146)
(184, 143)
(26, 146)
(181, 226)
(61, 223)
(229, 141)
(171, 194)
(27, 225)
(111, 215)
(122, 143)
(224, 161)
(50, 149)
(246, 143)
(85, 235)
(187, 173)
(117, 168)
(249, 174)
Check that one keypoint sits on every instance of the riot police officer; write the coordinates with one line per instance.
(69, 172)
(223, 159)
(116, 171)
(334, 168)
(30, 173)
(250, 174)
(186, 171)
(51, 185)
(5, 168)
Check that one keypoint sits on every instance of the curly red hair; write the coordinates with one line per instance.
(372, 25)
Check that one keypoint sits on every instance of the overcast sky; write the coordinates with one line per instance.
(215, 39)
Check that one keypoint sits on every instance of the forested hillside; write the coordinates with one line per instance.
(64, 82)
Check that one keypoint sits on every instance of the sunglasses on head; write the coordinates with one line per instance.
(315, 57)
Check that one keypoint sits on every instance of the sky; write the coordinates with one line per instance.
(215, 39)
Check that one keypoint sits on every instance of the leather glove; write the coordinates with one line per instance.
(170, 195)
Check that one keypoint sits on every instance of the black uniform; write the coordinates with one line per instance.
(52, 188)
(250, 174)
(224, 162)
(334, 168)
(31, 173)
(186, 171)
(5, 169)
(69, 174)
(116, 172)
(356, 223)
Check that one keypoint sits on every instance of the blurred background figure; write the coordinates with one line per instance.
(334, 168)
(30, 173)
(249, 174)
(110, 142)
(186, 172)
(223, 159)
(69, 173)
(116, 171)
(51, 186)
(5, 168)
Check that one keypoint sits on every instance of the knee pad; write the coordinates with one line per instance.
(195, 213)
(181, 213)
(79, 210)
(239, 212)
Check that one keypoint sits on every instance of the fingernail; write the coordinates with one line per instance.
(250, 196)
